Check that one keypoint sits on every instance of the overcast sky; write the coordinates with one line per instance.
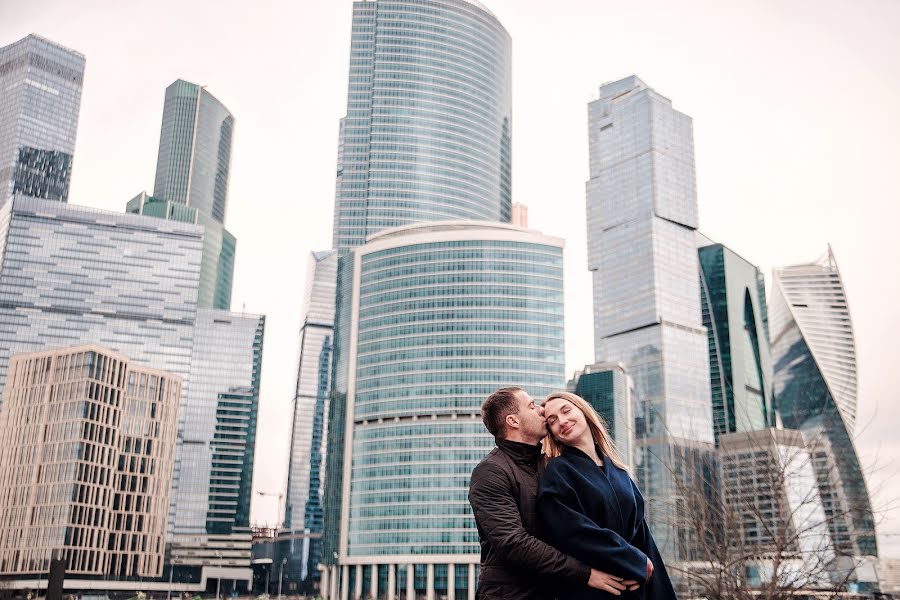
(796, 109)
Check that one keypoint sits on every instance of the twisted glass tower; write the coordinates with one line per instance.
(814, 357)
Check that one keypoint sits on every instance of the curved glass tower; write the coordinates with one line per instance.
(426, 138)
(427, 131)
(442, 315)
(192, 181)
(733, 304)
(814, 359)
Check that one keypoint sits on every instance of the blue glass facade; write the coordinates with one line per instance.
(442, 315)
(735, 314)
(427, 131)
(426, 137)
(609, 389)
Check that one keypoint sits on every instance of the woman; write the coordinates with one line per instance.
(590, 509)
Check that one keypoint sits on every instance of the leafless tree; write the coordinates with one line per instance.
(759, 518)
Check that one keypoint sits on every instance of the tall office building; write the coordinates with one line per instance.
(86, 463)
(735, 314)
(427, 131)
(426, 137)
(71, 275)
(610, 390)
(442, 315)
(41, 83)
(217, 440)
(641, 218)
(303, 509)
(192, 169)
(814, 360)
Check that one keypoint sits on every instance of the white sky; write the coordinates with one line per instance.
(796, 109)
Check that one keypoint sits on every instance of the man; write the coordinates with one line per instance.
(516, 565)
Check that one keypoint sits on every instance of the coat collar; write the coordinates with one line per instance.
(573, 451)
(519, 452)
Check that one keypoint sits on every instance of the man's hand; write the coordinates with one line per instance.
(649, 569)
(610, 583)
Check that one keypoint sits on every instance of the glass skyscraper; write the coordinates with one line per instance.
(442, 315)
(610, 390)
(426, 137)
(192, 169)
(641, 219)
(303, 509)
(814, 358)
(735, 314)
(72, 275)
(427, 131)
(217, 437)
(41, 83)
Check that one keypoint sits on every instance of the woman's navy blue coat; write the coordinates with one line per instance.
(596, 514)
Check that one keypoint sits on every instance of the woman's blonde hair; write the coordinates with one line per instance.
(553, 448)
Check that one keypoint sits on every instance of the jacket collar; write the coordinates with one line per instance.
(573, 451)
(520, 453)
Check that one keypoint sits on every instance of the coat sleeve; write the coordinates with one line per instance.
(498, 517)
(569, 529)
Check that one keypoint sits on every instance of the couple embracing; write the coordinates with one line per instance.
(557, 513)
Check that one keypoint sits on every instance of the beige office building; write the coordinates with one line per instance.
(86, 463)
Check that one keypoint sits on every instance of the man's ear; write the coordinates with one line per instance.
(512, 421)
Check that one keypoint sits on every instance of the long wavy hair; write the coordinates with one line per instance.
(553, 448)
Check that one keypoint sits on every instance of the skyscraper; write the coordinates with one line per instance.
(442, 315)
(814, 359)
(427, 131)
(735, 314)
(641, 219)
(41, 83)
(86, 463)
(217, 440)
(610, 390)
(192, 169)
(303, 509)
(71, 275)
(426, 137)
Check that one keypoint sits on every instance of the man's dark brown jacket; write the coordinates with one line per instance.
(515, 564)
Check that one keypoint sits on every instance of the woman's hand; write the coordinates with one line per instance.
(610, 583)
(649, 569)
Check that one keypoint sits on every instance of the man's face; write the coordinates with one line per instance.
(532, 424)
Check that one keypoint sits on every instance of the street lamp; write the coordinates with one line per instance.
(281, 576)
(219, 574)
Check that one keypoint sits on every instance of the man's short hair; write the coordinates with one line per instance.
(497, 407)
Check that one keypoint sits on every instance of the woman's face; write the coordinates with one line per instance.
(565, 421)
